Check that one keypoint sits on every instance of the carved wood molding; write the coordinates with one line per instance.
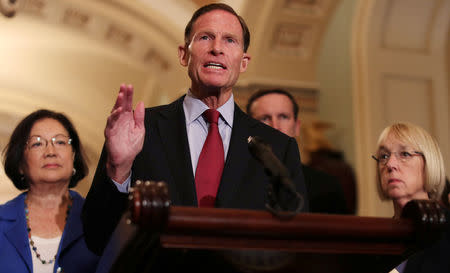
(234, 240)
(203, 228)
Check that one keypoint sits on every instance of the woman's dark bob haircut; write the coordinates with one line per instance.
(13, 154)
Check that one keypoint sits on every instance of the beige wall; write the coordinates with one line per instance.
(334, 76)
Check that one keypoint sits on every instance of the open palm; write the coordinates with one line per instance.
(124, 134)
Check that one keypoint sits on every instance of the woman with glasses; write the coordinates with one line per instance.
(40, 229)
(409, 165)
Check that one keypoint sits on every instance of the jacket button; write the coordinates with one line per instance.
(59, 270)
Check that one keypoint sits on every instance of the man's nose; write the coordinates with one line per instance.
(276, 124)
(216, 47)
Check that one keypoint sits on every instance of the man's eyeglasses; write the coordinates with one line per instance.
(403, 156)
(38, 143)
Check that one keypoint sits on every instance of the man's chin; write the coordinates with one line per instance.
(215, 87)
(213, 84)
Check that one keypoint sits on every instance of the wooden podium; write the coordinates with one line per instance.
(257, 241)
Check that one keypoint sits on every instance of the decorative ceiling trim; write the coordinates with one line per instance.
(294, 39)
(87, 21)
(314, 8)
(292, 30)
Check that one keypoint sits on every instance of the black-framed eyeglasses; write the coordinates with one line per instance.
(38, 143)
(403, 156)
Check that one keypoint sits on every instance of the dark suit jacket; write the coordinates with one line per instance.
(166, 157)
(325, 193)
(15, 254)
(434, 258)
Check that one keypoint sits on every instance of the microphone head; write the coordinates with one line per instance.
(262, 151)
(258, 147)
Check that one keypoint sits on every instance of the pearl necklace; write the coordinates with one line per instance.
(33, 247)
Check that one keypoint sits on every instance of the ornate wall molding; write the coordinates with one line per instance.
(105, 28)
(294, 39)
(315, 8)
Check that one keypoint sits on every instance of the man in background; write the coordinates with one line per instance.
(278, 109)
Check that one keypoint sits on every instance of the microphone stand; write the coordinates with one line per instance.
(281, 191)
(274, 193)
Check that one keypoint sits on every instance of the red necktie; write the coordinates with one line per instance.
(210, 163)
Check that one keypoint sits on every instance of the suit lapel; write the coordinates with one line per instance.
(237, 159)
(172, 130)
(17, 234)
(73, 229)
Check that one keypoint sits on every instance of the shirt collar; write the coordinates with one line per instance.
(193, 108)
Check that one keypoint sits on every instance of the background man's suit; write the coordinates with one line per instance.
(325, 193)
(165, 157)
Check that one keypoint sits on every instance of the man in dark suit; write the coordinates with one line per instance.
(165, 143)
(278, 109)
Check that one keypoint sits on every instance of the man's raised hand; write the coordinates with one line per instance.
(124, 134)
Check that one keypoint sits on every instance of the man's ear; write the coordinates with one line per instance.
(244, 63)
(183, 55)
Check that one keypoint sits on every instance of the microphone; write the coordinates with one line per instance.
(262, 151)
(281, 188)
